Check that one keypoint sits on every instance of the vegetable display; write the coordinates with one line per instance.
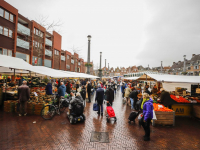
(159, 107)
(179, 99)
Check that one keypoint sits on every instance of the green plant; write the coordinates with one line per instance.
(45, 80)
(88, 64)
(184, 73)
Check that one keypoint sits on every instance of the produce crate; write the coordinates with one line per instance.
(30, 108)
(9, 106)
(38, 108)
(164, 118)
(196, 111)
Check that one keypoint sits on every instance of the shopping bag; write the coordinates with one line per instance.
(95, 107)
(154, 115)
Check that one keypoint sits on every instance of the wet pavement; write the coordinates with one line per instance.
(21, 133)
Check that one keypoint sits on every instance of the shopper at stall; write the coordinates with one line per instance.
(49, 89)
(89, 87)
(154, 90)
(23, 96)
(165, 99)
(77, 85)
(147, 106)
(133, 97)
(99, 99)
(83, 92)
(110, 96)
(61, 89)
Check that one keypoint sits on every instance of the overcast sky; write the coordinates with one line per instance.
(127, 32)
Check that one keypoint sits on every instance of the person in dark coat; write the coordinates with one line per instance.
(49, 89)
(165, 99)
(133, 97)
(68, 88)
(99, 98)
(123, 89)
(83, 92)
(61, 90)
(89, 87)
(23, 96)
(110, 96)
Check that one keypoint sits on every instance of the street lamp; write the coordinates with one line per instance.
(88, 60)
(100, 65)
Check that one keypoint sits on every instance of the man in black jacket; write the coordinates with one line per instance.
(165, 99)
(99, 98)
(89, 87)
(133, 97)
(110, 96)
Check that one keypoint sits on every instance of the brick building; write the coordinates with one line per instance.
(26, 39)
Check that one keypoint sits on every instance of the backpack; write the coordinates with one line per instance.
(78, 109)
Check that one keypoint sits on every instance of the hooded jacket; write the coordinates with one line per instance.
(148, 109)
(49, 89)
(61, 90)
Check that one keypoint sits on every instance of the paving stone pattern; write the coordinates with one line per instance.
(21, 133)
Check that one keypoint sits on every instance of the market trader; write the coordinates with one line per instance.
(23, 95)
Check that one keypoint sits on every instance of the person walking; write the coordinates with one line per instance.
(89, 87)
(147, 106)
(133, 97)
(23, 96)
(110, 96)
(99, 99)
(61, 91)
(127, 93)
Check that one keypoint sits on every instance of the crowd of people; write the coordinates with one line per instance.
(134, 94)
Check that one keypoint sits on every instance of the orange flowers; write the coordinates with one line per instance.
(179, 99)
(162, 108)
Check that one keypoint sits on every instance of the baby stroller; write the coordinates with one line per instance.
(75, 111)
(110, 113)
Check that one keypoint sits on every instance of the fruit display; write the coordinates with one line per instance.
(159, 107)
(179, 99)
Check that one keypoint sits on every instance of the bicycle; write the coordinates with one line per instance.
(49, 111)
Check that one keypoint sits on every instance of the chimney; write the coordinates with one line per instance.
(193, 55)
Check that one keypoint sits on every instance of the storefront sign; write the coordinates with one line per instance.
(182, 109)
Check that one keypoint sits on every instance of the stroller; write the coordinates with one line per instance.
(110, 113)
(75, 111)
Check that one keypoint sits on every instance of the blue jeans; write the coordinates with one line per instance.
(132, 103)
(101, 108)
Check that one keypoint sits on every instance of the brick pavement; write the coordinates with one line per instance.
(20, 132)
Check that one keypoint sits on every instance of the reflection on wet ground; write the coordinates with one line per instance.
(21, 133)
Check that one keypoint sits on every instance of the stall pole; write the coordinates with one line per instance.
(6, 88)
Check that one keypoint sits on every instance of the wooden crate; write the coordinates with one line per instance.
(196, 111)
(164, 118)
(38, 108)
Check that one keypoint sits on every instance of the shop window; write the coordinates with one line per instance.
(4, 51)
(1, 30)
(9, 53)
(47, 63)
(10, 33)
(6, 15)
(25, 57)
(6, 31)
(1, 12)
(36, 61)
(11, 18)
(67, 56)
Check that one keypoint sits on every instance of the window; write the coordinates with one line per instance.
(72, 61)
(10, 33)
(36, 61)
(1, 30)
(41, 34)
(75, 69)
(47, 63)
(62, 57)
(6, 15)
(67, 56)
(9, 53)
(1, 12)
(11, 18)
(48, 52)
(4, 51)
(56, 52)
(6, 31)
(25, 57)
(36, 43)
(68, 66)
(36, 31)
(79, 63)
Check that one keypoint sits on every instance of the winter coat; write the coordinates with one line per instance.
(83, 93)
(89, 87)
(148, 109)
(154, 91)
(23, 93)
(61, 90)
(99, 96)
(127, 92)
(165, 99)
(123, 88)
(134, 94)
(110, 95)
(49, 89)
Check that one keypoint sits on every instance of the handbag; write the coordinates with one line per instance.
(95, 107)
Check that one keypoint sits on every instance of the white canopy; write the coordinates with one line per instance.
(131, 78)
(170, 78)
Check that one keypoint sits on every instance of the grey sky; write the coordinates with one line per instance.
(130, 32)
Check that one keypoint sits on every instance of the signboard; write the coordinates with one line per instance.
(182, 109)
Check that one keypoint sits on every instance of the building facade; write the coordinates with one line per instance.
(28, 40)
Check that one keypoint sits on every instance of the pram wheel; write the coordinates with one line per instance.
(115, 119)
(83, 117)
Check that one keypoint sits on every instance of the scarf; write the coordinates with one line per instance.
(144, 100)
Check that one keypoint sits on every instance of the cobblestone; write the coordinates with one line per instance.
(20, 132)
